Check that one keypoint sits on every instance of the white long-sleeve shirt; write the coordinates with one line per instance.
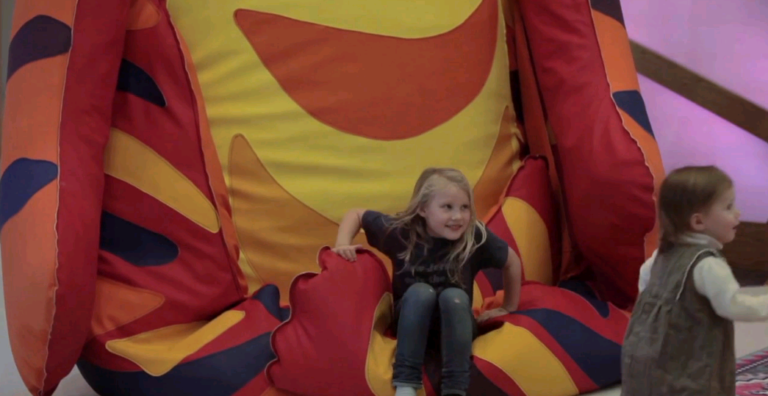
(715, 281)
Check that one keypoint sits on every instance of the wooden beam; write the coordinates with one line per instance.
(748, 254)
(726, 104)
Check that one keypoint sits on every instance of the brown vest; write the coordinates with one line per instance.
(676, 345)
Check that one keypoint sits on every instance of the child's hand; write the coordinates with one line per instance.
(348, 252)
(491, 314)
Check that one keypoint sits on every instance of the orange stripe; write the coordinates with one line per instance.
(117, 304)
(28, 279)
(30, 129)
(63, 10)
(143, 14)
(213, 165)
(33, 102)
(616, 53)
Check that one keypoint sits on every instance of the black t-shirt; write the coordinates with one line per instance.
(430, 268)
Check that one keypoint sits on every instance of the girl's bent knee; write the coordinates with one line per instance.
(454, 297)
(420, 291)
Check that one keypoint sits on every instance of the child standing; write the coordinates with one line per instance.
(437, 246)
(680, 339)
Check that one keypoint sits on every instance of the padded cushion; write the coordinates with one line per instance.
(528, 221)
(322, 349)
(558, 343)
(609, 162)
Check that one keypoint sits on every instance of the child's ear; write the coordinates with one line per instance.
(697, 222)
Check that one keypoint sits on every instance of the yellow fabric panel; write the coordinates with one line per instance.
(158, 351)
(526, 360)
(274, 250)
(381, 351)
(532, 238)
(312, 161)
(504, 163)
(396, 18)
(128, 159)
(251, 276)
(477, 296)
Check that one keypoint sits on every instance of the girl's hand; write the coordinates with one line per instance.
(348, 252)
(493, 313)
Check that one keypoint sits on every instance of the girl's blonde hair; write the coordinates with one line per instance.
(685, 192)
(415, 226)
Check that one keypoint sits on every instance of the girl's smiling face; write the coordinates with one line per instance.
(447, 213)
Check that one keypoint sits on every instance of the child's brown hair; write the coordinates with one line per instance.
(685, 192)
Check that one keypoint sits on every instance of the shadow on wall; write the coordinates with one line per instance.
(6, 16)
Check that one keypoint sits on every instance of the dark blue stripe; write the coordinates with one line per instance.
(581, 288)
(269, 297)
(611, 8)
(134, 80)
(135, 244)
(632, 103)
(40, 38)
(597, 356)
(219, 374)
(20, 182)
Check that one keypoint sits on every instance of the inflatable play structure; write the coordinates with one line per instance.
(171, 170)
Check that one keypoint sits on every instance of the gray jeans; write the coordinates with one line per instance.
(415, 314)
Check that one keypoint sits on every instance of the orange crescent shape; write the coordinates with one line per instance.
(379, 87)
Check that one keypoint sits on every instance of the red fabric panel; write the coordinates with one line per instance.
(98, 35)
(176, 131)
(608, 187)
(331, 318)
(197, 285)
(531, 184)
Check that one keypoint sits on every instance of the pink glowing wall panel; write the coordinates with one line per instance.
(690, 135)
(726, 42)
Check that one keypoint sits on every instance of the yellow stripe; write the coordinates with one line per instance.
(158, 351)
(381, 351)
(526, 360)
(477, 296)
(128, 159)
(532, 238)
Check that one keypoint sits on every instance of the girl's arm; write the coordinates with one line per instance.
(350, 225)
(512, 276)
(513, 279)
(714, 279)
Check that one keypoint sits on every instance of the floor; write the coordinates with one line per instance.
(749, 337)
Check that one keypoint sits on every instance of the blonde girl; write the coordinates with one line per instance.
(437, 246)
(680, 338)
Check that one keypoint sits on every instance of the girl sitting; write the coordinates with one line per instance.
(437, 246)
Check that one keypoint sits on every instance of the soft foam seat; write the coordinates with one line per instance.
(336, 341)
(163, 162)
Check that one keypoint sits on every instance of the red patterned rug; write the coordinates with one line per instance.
(752, 374)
